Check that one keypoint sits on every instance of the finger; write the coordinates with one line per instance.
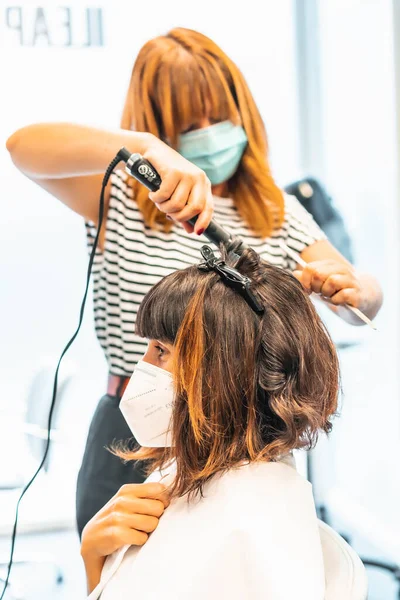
(297, 274)
(195, 204)
(125, 505)
(205, 217)
(144, 523)
(179, 198)
(187, 227)
(167, 187)
(114, 536)
(133, 537)
(158, 493)
(305, 279)
(349, 296)
(143, 490)
(200, 203)
(317, 272)
(152, 507)
(316, 279)
(335, 283)
(150, 492)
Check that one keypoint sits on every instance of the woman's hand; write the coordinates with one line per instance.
(128, 518)
(185, 190)
(328, 273)
(338, 283)
(333, 280)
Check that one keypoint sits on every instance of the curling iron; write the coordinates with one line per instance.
(144, 172)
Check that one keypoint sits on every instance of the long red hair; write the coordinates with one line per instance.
(179, 79)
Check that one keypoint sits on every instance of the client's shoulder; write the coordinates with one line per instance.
(270, 482)
(267, 496)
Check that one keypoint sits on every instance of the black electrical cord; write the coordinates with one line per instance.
(145, 173)
(107, 176)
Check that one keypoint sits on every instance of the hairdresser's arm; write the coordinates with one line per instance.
(69, 161)
(330, 274)
(128, 518)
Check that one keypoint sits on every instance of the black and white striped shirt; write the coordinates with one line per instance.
(136, 257)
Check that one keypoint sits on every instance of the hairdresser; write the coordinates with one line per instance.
(190, 112)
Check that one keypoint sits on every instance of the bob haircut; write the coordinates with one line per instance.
(179, 79)
(248, 387)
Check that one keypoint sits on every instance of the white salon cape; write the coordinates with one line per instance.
(253, 536)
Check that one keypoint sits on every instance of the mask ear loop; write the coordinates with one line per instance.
(231, 277)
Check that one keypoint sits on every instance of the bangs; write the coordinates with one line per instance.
(164, 307)
(189, 88)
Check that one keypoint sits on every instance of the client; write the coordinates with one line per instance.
(238, 373)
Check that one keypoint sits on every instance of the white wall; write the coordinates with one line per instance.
(359, 119)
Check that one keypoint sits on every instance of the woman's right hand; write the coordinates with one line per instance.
(128, 518)
(69, 161)
(185, 190)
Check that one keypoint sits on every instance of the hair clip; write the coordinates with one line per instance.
(230, 277)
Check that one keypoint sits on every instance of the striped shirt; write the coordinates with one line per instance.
(135, 257)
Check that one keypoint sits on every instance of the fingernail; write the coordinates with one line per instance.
(200, 231)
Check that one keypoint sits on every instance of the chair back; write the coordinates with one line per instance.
(345, 574)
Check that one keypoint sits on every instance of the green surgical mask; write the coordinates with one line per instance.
(217, 150)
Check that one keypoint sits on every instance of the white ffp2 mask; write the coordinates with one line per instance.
(147, 405)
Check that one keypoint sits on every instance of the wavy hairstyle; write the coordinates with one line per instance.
(183, 77)
(247, 387)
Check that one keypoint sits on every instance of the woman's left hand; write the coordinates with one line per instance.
(334, 280)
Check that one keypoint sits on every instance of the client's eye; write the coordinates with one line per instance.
(160, 351)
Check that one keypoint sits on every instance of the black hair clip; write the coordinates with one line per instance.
(230, 277)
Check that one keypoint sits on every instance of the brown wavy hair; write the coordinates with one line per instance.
(183, 77)
(247, 387)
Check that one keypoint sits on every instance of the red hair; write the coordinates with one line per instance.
(179, 79)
